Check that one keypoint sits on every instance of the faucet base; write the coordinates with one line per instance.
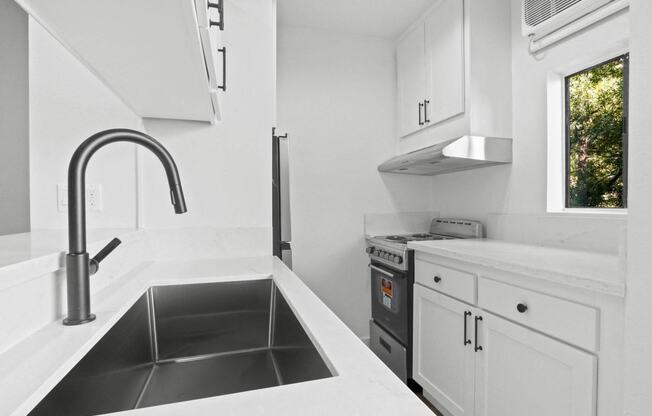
(71, 322)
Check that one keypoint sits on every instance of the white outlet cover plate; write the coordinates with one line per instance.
(93, 197)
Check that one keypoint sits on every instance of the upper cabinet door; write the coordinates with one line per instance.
(411, 67)
(444, 46)
(444, 358)
(521, 372)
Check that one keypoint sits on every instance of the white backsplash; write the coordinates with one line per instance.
(603, 234)
(398, 223)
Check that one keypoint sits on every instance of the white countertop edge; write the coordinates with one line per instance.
(360, 376)
(505, 265)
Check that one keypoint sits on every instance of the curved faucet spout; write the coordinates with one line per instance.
(77, 178)
(77, 260)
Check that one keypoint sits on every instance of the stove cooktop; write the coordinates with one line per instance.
(405, 238)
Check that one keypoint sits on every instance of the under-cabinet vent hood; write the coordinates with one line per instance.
(466, 152)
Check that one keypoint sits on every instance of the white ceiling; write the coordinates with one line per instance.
(381, 18)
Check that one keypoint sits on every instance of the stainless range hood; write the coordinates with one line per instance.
(462, 153)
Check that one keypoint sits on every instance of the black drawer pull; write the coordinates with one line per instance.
(466, 340)
(437, 279)
(220, 8)
(385, 345)
(425, 111)
(223, 86)
(477, 347)
(420, 107)
(521, 307)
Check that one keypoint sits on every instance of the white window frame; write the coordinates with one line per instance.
(556, 158)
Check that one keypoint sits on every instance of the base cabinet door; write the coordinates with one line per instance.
(521, 372)
(443, 362)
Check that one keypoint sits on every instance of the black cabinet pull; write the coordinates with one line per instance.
(437, 279)
(385, 345)
(223, 86)
(466, 340)
(420, 107)
(220, 9)
(521, 307)
(477, 347)
(425, 111)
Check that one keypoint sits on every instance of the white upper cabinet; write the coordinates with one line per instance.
(430, 66)
(149, 53)
(454, 73)
(411, 67)
(444, 33)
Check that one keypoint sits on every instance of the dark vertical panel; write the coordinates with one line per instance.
(14, 119)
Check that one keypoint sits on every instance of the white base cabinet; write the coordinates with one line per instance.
(471, 362)
(521, 372)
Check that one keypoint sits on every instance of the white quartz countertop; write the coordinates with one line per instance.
(598, 272)
(362, 384)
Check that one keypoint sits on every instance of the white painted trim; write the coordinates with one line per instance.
(556, 153)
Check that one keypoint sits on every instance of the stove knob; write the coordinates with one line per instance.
(369, 250)
(398, 259)
(386, 255)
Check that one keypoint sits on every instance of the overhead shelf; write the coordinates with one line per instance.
(462, 153)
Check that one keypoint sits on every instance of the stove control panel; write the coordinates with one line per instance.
(385, 255)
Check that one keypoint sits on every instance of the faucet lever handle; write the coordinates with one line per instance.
(101, 255)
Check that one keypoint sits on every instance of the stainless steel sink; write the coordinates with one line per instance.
(186, 342)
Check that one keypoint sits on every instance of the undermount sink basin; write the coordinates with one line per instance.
(187, 342)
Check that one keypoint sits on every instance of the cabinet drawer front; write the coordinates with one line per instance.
(571, 322)
(456, 283)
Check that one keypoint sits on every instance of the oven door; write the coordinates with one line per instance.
(389, 300)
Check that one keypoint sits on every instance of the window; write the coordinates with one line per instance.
(596, 135)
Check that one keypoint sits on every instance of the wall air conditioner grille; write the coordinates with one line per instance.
(536, 12)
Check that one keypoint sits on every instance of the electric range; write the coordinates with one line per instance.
(392, 278)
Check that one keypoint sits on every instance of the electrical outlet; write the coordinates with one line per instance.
(93, 197)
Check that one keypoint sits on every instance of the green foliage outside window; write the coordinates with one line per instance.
(596, 136)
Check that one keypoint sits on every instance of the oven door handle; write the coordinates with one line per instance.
(379, 270)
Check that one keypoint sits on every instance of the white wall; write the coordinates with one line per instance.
(521, 188)
(67, 105)
(336, 99)
(638, 339)
(14, 120)
(225, 168)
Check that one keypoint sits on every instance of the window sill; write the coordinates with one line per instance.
(589, 212)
